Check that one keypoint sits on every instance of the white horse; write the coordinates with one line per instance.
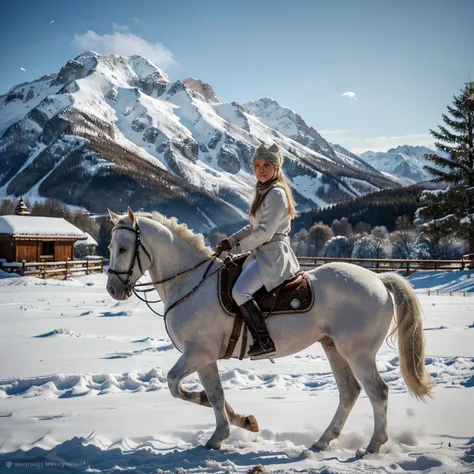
(351, 316)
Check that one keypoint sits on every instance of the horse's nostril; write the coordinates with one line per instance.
(111, 290)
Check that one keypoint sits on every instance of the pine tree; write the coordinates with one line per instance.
(451, 211)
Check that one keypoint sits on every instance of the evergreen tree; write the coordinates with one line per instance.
(451, 211)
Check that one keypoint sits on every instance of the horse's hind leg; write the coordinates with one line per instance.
(209, 376)
(377, 391)
(349, 389)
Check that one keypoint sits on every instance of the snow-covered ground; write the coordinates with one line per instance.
(83, 388)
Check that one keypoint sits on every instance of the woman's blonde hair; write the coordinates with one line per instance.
(261, 189)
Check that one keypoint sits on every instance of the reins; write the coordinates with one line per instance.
(136, 256)
(186, 296)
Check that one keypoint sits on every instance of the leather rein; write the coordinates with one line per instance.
(137, 287)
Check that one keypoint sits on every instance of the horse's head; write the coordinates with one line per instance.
(129, 259)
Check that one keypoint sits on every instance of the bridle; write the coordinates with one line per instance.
(129, 288)
(136, 256)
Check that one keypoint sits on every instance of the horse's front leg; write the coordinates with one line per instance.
(189, 362)
(209, 376)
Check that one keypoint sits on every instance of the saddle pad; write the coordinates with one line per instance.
(296, 300)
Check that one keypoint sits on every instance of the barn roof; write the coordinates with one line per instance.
(36, 226)
(90, 240)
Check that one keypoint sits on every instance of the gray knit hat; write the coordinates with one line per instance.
(271, 153)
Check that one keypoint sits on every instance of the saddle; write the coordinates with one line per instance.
(292, 296)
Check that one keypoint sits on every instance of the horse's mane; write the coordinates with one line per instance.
(196, 241)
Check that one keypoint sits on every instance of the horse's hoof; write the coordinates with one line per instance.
(213, 445)
(251, 423)
(317, 448)
(361, 452)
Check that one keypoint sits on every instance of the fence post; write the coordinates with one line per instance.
(87, 266)
(101, 264)
(67, 261)
(23, 267)
(408, 267)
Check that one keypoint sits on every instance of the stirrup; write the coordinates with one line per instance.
(265, 350)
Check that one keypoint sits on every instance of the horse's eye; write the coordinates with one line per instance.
(122, 249)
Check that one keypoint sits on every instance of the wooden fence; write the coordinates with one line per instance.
(391, 265)
(65, 268)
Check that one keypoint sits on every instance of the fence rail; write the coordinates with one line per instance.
(66, 267)
(388, 265)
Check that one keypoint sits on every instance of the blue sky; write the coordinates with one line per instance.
(403, 60)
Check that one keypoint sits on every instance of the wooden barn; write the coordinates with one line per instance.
(37, 239)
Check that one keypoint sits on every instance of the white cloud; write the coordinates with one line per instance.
(125, 44)
(350, 95)
(118, 27)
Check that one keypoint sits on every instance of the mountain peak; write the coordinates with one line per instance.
(202, 88)
(111, 130)
(405, 160)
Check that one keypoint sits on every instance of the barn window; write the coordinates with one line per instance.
(47, 248)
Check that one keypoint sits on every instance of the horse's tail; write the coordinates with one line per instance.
(410, 336)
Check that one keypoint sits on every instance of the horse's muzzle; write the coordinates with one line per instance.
(117, 289)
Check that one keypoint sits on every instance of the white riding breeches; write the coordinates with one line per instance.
(248, 283)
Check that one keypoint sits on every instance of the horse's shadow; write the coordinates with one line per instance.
(76, 456)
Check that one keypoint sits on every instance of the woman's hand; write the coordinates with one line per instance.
(224, 245)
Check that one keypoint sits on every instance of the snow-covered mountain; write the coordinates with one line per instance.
(404, 161)
(116, 131)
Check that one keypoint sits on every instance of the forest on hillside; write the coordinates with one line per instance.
(381, 208)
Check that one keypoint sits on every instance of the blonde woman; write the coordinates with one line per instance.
(271, 260)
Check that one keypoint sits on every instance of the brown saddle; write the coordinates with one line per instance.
(292, 296)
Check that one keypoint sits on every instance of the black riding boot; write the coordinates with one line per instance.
(263, 345)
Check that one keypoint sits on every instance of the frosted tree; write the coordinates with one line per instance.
(338, 247)
(363, 248)
(342, 227)
(382, 244)
(299, 243)
(375, 245)
(403, 239)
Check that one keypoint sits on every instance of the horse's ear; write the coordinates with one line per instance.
(132, 217)
(113, 217)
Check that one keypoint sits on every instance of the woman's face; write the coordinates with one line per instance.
(263, 169)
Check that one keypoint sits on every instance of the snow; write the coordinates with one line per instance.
(16, 109)
(64, 343)
(307, 186)
(90, 240)
(110, 91)
(402, 162)
(38, 226)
